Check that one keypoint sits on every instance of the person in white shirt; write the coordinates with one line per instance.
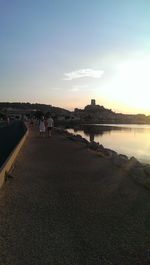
(50, 124)
(42, 126)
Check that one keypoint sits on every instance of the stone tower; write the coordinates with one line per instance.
(93, 102)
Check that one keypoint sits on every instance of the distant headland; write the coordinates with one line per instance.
(91, 113)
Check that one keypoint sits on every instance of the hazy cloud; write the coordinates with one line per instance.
(56, 88)
(78, 87)
(83, 73)
(74, 89)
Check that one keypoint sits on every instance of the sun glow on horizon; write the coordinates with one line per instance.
(126, 91)
(131, 84)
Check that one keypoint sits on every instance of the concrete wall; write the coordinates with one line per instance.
(9, 137)
(12, 138)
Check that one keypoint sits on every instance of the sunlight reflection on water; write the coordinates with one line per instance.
(128, 139)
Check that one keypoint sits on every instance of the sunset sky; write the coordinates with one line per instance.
(65, 52)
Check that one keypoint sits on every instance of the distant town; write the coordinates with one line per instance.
(91, 113)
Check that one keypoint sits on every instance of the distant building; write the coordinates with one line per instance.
(93, 102)
(18, 114)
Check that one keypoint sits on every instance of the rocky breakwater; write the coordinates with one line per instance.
(138, 171)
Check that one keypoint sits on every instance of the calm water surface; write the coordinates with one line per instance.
(131, 140)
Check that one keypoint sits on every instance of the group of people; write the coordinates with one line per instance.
(46, 124)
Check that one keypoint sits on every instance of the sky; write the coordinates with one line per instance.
(66, 52)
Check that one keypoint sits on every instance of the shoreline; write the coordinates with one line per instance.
(124, 139)
(139, 171)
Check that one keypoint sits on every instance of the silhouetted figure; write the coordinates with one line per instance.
(8, 120)
(91, 137)
(42, 126)
(50, 125)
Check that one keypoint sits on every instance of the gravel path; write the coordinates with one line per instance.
(67, 206)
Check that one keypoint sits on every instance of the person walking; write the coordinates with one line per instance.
(42, 126)
(50, 125)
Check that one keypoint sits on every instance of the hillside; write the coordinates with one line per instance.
(29, 107)
(90, 114)
(100, 114)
